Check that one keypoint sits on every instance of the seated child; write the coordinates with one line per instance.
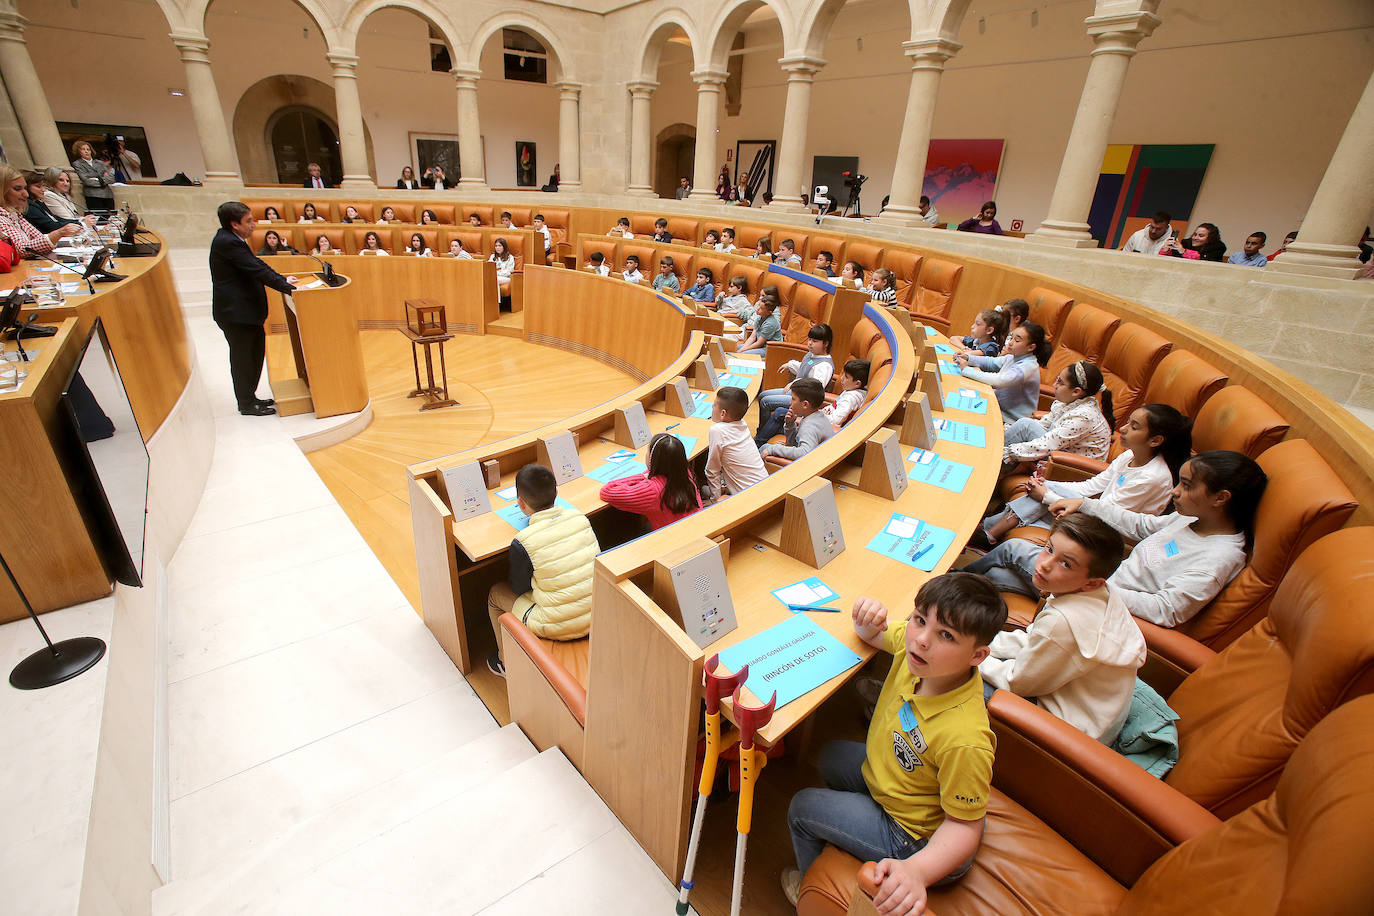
(986, 336)
(704, 290)
(1017, 312)
(732, 458)
(914, 797)
(1157, 440)
(665, 493)
(474, 220)
(631, 272)
(733, 302)
(549, 586)
(786, 255)
(507, 222)
(883, 286)
(661, 233)
(727, 240)
(815, 364)
(537, 222)
(711, 240)
(1015, 375)
(622, 228)
(456, 250)
(804, 424)
(764, 326)
(597, 264)
(1076, 423)
(851, 275)
(825, 262)
(853, 393)
(666, 279)
(763, 249)
(1078, 658)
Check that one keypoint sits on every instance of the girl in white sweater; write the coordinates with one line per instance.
(1157, 440)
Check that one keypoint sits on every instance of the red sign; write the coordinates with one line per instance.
(1017, 224)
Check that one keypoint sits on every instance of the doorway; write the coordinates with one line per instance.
(300, 136)
(677, 150)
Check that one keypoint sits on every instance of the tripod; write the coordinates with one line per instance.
(853, 202)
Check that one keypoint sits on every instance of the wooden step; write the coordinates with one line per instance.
(292, 396)
(511, 324)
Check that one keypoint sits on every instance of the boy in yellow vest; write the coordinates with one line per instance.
(913, 798)
(549, 586)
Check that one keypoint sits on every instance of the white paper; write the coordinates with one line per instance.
(801, 593)
(744, 363)
(507, 493)
(939, 424)
(901, 527)
(924, 457)
(313, 284)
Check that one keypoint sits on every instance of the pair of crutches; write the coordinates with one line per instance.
(751, 762)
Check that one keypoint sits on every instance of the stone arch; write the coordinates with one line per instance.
(256, 108)
(357, 14)
(667, 161)
(199, 9)
(731, 16)
(657, 34)
(513, 20)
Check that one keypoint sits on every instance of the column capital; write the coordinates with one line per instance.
(194, 47)
(801, 67)
(466, 77)
(641, 89)
(1119, 33)
(345, 63)
(568, 89)
(930, 53)
(709, 80)
(12, 26)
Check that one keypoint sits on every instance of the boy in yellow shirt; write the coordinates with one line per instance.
(913, 798)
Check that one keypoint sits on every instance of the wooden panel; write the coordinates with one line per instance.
(328, 336)
(537, 708)
(438, 568)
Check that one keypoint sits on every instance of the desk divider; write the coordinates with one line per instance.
(678, 398)
(811, 529)
(933, 387)
(716, 352)
(704, 374)
(884, 472)
(631, 426)
(918, 426)
(558, 453)
(690, 586)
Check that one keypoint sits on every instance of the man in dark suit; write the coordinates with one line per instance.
(316, 180)
(238, 281)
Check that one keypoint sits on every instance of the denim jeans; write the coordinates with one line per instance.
(770, 401)
(1009, 566)
(775, 422)
(844, 814)
(1023, 430)
(1028, 510)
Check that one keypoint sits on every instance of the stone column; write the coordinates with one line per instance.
(1326, 245)
(474, 176)
(349, 112)
(791, 177)
(641, 168)
(1115, 38)
(26, 94)
(928, 57)
(221, 165)
(569, 136)
(704, 172)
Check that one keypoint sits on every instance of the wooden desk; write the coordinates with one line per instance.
(327, 352)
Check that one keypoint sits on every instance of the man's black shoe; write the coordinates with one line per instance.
(257, 410)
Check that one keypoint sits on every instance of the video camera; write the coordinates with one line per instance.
(853, 181)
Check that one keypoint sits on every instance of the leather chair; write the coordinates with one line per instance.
(647, 253)
(610, 248)
(835, 244)
(1185, 381)
(686, 230)
(405, 213)
(806, 309)
(287, 214)
(747, 237)
(1237, 419)
(684, 265)
(906, 267)
(483, 213)
(443, 212)
(1049, 310)
(642, 225)
(521, 216)
(1086, 333)
(546, 683)
(1303, 849)
(283, 231)
(431, 237)
(869, 255)
(356, 239)
(936, 287)
(515, 241)
(720, 269)
(366, 211)
(306, 238)
(1130, 359)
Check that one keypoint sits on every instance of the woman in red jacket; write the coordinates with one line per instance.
(663, 495)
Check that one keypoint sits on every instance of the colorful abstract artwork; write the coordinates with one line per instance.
(1138, 181)
(960, 175)
(526, 164)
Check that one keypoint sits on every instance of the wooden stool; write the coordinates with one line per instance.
(435, 394)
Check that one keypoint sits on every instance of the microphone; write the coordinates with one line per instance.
(327, 270)
(63, 266)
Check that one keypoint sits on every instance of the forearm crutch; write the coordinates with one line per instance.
(751, 762)
(717, 686)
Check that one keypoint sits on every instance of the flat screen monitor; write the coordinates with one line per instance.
(105, 459)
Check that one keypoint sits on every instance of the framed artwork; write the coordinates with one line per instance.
(755, 158)
(135, 141)
(526, 164)
(1138, 180)
(428, 150)
(960, 175)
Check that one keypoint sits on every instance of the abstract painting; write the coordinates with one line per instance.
(960, 175)
(526, 165)
(436, 149)
(1138, 180)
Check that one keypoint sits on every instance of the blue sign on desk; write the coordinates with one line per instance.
(946, 349)
(733, 381)
(912, 541)
(939, 471)
(614, 470)
(962, 433)
(949, 368)
(512, 515)
(688, 442)
(705, 404)
(793, 657)
(966, 399)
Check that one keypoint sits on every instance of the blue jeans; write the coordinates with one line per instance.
(844, 814)
(771, 400)
(1009, 566)
(757, 351)
(775, 423)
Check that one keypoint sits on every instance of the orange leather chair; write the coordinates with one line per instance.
(283, 231)
(647, 254)
(405, 213)
(430, 236)
(474, 241)
(1237, 419)
(906, 267)
(608, 247)
(521, 216)
(684, 265)
(1086, 333)
(869, 255)
(642, 225)
(1185, 381)
(685, 230)
(747, 237)
(1303, 849)
(835, 244)
(720, 269)
(806, 309)
(483, 213)
(1049, 310)
(357, 238)
(308, 236)
(443, 212)
(935, 290)
(259, 208)
(1127, 365)
(366, 212)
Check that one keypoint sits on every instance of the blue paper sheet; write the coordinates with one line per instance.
(733, 381)
(747, 370)
(939, 471)
(962, 433)
(792, 657)
(922, 549)
(705, 404)
(946, 349)
(688, 442)
(930, 332)
(512, 515)
(807, 591)
(948, 368)
(614, 470)
(960, 401)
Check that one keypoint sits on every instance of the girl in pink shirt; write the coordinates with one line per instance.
(663, 495)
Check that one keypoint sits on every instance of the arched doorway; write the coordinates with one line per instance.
(258, 111)
(676, 149)
(298, 135)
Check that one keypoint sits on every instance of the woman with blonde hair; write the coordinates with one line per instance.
(14, 199)
(57, 193)
(95, 174)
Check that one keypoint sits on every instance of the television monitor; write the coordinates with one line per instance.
(104, 458)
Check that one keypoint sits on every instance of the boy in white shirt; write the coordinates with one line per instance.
(853, 393)
(507, 222)
(538, 224)
(622, 228)
(786, 255)
(597, 265)
(1078, 658)
(732, 460)
(631, 272)
(456, 250)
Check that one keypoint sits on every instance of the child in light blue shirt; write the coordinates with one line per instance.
(705, 288)
(1015, 376)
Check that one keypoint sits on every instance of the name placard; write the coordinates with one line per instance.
(467, 490)
(559, 454)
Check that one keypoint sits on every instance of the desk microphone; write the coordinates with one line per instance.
(327, 273)
(63, 266)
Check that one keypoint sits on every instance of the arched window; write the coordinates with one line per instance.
(299, 136)
(526, 59)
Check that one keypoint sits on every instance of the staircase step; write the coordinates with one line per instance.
(292, 396)
(360, 822)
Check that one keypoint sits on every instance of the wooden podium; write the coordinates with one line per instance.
(328, 354)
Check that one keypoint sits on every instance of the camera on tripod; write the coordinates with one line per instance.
(854, 181)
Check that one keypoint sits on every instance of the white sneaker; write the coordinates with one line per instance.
(791, 884)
